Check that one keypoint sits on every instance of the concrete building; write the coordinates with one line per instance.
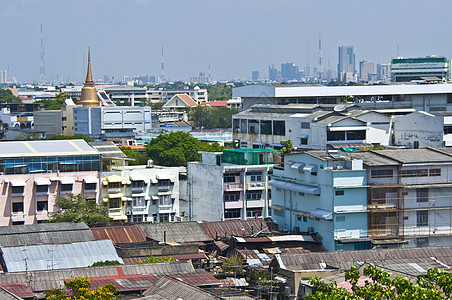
(346, 68)
(366, 68)
(272, 73)
(111, 122)
(255, 75)
(197, 94)
(3, 77)
(56, 122)
(408, 69)
(34, 173)
(289, 71)
(384, 72)
(323, 193)
(232, 184)
(425, 97)
(127, 95)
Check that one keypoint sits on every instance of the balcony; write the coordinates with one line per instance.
(117, 214)
(255, 185)
(163, 188)
(113, 190)
(139, 210)
(255, 203)
(233, 186)
(233, 204)
(137, 189)
(42, 215)
(165, 208)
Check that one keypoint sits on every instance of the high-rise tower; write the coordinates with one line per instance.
(89, 94)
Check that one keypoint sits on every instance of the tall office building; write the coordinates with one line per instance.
(289, 71)
(407, 69)
(255, 75)
(3, 78)
(272, 73)
(366, 68)
(384, 72)
(346, 68)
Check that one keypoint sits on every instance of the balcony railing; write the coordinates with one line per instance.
(255, 185)
(165, 208)
(233, 186)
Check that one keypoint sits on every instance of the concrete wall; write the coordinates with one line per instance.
(428, 133)
(48, 121)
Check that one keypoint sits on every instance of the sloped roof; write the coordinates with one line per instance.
(216, 103)
(412, 261)
(181, 232)
(58, 256)
(407, 156)
(237, 227)
(7, 295)
(184, 98)
(39, 281)
(107, 149)
(19, 289)
(44, 233)
(170, 288)
(120, 234)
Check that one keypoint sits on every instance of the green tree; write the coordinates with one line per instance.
(6, 96)
(78, 289)
(139, 156)
(211, 117)
(177, 149)
(287, 146)
(437, 285)
(234, 264)
(76, 208)
(154, 259)
(54, 104)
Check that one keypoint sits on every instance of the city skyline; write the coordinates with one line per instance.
(234, 38)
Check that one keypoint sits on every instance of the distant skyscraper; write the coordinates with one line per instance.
(289, 71)
(272, 73)
(3, 78)
(366, 68)
(384, 72)
(346, 67)
(255, 76)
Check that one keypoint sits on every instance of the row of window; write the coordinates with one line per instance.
(387, 173)
(64, 187)
(236, 213)
(262, 126)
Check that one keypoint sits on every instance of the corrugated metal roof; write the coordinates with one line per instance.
(6, 295)
(39, 281)
(176, 232)
(407, 156)
(169, 288)
(19, 289)
(372, 159)
(46, 148)
(120, 234)
(237, 227)
(45, 233)
(58, 256)
(107, 149)
(135, 260)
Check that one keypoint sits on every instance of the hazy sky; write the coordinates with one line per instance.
(234, 36)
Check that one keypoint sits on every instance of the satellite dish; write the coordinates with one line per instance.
(340, 107)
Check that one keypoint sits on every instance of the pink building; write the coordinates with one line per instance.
(33, 174)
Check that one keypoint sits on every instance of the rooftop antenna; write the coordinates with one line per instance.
(42, 70)
(163, 66)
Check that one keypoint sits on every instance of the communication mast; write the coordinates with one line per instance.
(163, 67)
(42, 70)
(320, 58)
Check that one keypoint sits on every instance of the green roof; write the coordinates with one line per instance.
(419, 60)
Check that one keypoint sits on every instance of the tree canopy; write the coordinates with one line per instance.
(436, 285)
(212, 117)
(177, 149)
(54, 104)
(78, 289)
(6, 96)
(76, 208)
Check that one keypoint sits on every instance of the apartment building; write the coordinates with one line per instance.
(33, 174)
(324, 193)
(232, 184)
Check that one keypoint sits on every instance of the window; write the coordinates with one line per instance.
(279, 128)
(300, 194)
(266, 127)
(164, 182)
(447, 129)
(340, 219)
(278, 212)
(163, 217)
(230, 177)
(422, 195)
(66, 187)
(138, 184)
(415, 173)
(138, 201)
(253, 212)
(41, 205)
(113, 203)
(255, 176)
(18, 207)
(232, 213)
(269, 194)
(305, 125)
(434, 172)
(422, 217)
(114, 185)
(422, 242)
(42, 188)
(356, 134)
(381, 173)
(165, 200)
(17, 189)
(335, 136)
(303, 141)
(305, 219)
(231, 196)
(339, 193)
(254, 195)
(138, 218)
(90, 186)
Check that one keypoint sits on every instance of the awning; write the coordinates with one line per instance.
(302, 136)
(322, 214)
(165, 177)
(155, 197)
(310, 168)
(67, 180)
(137, 177)
(114, 178)
(301, 213)
(276, 145)
(42, 181)
(344, 128)
(277, 207)
(117, 195)
(90, 179)
(295, 187)
(345, 145)
(18, 182)
(105, 199)
(125, 199)
(298, 166)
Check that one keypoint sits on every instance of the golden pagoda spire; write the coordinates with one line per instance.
(89, 94)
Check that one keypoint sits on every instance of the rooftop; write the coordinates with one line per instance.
(184, 232)
(46, 148)
(407, 156)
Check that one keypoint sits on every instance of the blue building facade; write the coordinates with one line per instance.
(322, 193)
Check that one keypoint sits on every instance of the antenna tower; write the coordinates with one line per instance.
(163, 67)
(42, 73)
(320, 58)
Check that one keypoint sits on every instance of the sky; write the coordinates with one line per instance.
(234, 37)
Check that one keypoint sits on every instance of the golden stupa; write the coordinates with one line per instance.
(89, 94)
